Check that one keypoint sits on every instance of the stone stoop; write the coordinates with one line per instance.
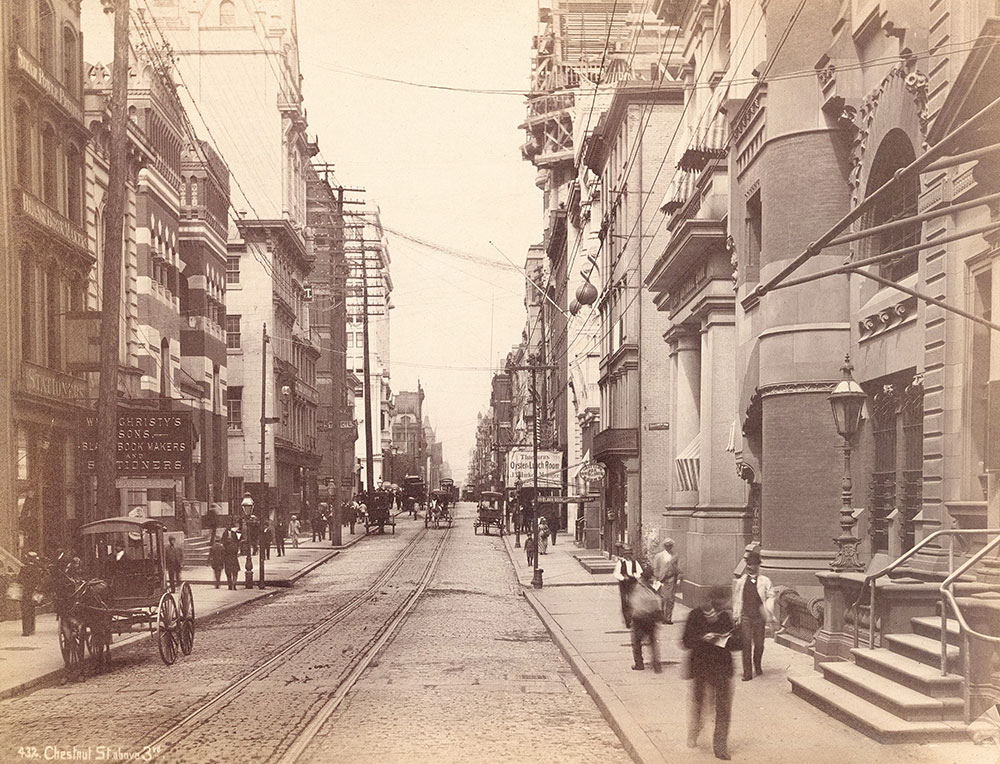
(595, 562)
(196, 549)
(895, 693)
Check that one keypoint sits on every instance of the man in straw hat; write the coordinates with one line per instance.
(753, 608)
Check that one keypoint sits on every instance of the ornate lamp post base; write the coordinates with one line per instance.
(536, 578)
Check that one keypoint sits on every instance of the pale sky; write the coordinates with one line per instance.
(443, 166)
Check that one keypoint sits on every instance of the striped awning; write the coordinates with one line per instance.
(687, 465)
(709, 142)
(678, 192)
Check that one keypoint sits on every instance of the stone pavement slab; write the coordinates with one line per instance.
(649, 711)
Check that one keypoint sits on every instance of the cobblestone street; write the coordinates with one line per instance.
(470, 676)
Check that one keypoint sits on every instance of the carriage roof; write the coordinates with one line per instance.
(122, 525)
(491, 494)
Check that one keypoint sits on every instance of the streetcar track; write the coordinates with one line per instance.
(364, 659)
(298, 642)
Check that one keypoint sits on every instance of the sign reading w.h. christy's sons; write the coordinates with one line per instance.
(147, 443)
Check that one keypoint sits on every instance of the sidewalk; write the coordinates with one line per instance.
(649, 711)
(28, 662)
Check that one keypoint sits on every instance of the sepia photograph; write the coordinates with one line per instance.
(500, 381)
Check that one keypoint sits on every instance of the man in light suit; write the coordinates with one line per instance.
(667, 570)
(753, 608)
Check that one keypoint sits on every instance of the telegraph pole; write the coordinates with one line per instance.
(534, 367)
(108, 503)
(263, 443)
(369, 455)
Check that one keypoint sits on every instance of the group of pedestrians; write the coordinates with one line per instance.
(545, 533)
(711, 633)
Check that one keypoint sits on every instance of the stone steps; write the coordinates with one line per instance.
(872, 720)
(886, 693)
(909, 673)
(923, 649)
(895, 693)
(595, 563)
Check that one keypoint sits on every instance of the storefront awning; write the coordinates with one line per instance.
(687, 465)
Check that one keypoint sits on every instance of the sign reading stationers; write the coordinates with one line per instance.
(148, 443)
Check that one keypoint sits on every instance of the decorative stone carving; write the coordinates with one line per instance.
(887, 319)
(796, 388)
(915, 83)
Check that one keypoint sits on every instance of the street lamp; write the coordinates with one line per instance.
(247, 506)
(847, 401)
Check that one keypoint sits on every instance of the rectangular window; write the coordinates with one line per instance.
(233, 269)
(234, 405)
(350, 340)
(233, 332)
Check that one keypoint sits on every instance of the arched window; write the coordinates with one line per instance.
(22, 137)
(46, 35)
(71, 70)
(74, 184)
(50, 191)
(894, 152)
(227, 14)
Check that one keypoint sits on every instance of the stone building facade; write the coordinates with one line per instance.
(45, 401)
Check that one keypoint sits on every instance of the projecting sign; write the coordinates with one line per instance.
(148, 443)
(592, 472)
(521, 467)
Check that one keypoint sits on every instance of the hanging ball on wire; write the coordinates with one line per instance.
(574, 307)
(586, 294)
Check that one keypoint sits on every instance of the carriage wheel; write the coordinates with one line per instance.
(187, 619)
(71, 644)
(167, 628)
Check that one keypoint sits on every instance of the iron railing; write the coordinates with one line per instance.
(948, 595)
(869, 582)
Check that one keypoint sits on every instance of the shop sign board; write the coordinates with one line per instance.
(521, 468)
(593, 472)
(148, 443)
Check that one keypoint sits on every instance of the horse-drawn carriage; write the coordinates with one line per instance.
(120, 583)
(414, 494)
(380, 511)
(439, 510)
(489, 513)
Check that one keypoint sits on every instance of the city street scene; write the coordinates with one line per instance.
(588, 381)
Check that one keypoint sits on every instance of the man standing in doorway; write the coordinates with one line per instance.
(753, 608)
(667, 570)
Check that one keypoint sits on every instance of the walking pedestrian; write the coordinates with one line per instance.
(293, 531)
(667, 570)
(265, 539)
(709, 636)
(324, 519)
(175, 561)
(530, 550)
(253, 534)
(217, 561)
(281, 530)
(212, 523)
(753, 608)
(352, 515)
(627, 572)
(645, 607)
(231, 559)
(543, 535)
(30, 578)
(554, 526)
